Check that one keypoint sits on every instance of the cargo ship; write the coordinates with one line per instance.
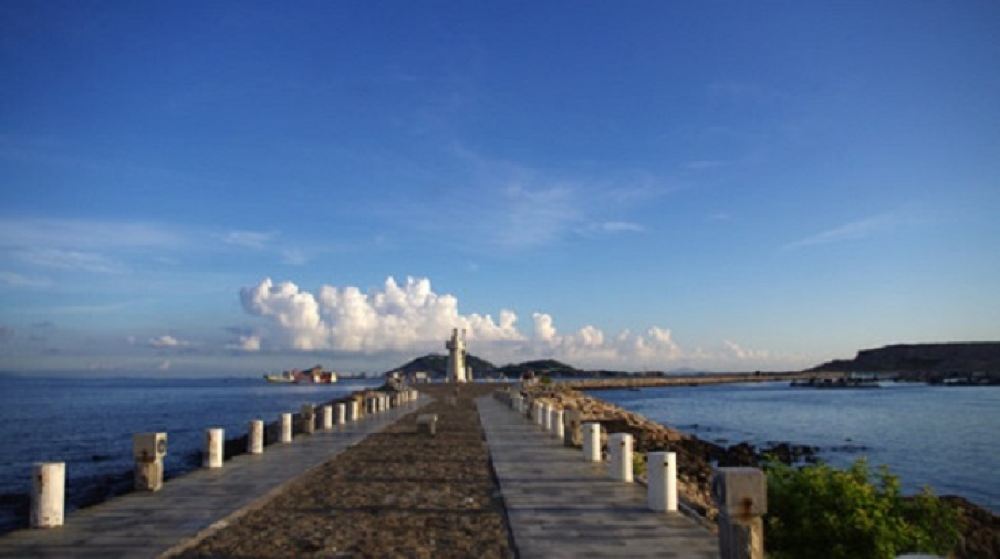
(315, 375)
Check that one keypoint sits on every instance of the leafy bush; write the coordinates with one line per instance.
(820, 511)
(638, 464)
(545, 380)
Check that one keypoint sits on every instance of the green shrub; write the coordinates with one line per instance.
(638, 464)
(545, 380)
(820, 511)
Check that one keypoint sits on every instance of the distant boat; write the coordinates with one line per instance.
(844, 382)
(315, 375)
(284, 378)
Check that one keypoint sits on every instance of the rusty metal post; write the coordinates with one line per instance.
(148, 450)
(741, 494)
(308, 415)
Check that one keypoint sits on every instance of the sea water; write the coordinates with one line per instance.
(944, 437)
(88, 423)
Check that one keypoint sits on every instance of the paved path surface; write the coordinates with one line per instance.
(399, 493)
(560, 506)
(149, 524)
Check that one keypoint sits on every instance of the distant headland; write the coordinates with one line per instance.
(923, 361)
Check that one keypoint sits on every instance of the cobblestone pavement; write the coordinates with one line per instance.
(398, 493)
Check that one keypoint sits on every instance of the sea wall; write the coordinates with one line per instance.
(687, 380)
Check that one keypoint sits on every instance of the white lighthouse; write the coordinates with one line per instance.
(456, 356)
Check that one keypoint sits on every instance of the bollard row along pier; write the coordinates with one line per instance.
(569, 487)
(158, 517)
(570, 510)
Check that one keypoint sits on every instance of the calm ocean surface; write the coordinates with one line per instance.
(88, 423)
(948, 438)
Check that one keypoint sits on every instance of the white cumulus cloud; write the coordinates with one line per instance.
(250, 342)
(396, 317)
(412, 317)
(166, 341)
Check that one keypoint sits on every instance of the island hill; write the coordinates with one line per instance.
(970, 361)
(913, 362)
(435, 366)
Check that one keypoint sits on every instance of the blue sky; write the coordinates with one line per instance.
(643, 185)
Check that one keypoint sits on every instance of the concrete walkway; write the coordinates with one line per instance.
(188, 507)
(560, 506)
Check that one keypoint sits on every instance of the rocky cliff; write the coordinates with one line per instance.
(950, 358)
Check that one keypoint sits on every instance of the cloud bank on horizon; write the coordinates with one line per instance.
(411, 317)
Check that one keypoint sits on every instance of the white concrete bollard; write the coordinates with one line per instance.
(286, 427)
(255, 437)
(547, 416)
(148, 450)
(327, 417)
(353, 407)
(592, 442)
(212, 457)
(538, 414)
(557, 424)
(48, 494)
(661, 489)
(341, 414)
(620, 451)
